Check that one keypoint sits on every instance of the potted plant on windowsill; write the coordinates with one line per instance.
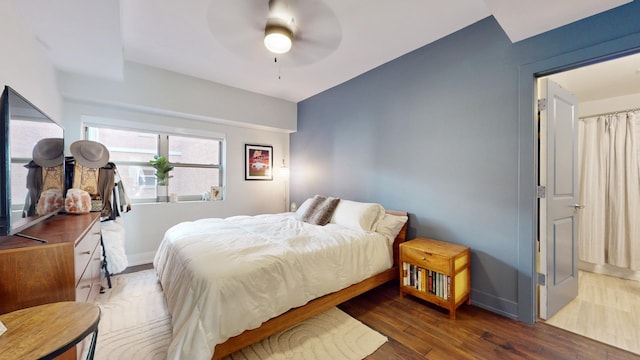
(162, 166)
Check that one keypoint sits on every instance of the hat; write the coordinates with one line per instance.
(49, 152)
(91, 154)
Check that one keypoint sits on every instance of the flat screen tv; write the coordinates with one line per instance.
(32, 173)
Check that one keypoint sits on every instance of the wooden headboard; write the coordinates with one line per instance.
(402, 236)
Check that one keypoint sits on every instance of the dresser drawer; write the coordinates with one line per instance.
(90, 278)
(94, 269)
(83, 289)
(425, 259)
(44, 273)
(84, 250)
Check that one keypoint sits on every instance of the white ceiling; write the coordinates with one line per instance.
(221, 40)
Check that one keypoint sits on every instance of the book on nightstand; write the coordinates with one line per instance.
(443, 272)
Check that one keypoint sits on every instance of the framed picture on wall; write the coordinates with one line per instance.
(258, 162)
(216, 193)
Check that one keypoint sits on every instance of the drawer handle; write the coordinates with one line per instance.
(85, 286)
(424, 258)
(85, 253)
(96, 259)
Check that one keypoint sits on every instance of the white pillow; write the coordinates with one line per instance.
(358, 215)
(390, 226)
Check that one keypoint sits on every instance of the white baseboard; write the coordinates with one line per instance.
(141, 258)
(610, 270)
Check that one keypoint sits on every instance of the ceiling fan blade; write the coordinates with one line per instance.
(238, 25)
(240, 28)
(303, 53)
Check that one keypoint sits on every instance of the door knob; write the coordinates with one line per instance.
(578, 206)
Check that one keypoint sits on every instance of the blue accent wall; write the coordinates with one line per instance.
(446, 133)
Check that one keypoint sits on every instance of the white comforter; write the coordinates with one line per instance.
(224, 276)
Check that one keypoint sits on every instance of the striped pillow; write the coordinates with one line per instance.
(320, 210)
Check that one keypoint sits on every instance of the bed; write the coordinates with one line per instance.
(231, 282)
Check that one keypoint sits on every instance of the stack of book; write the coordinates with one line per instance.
(426, 280)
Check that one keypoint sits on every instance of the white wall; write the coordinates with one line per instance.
(150, 89)
(614, 104)
(23, 64)
(166, 104)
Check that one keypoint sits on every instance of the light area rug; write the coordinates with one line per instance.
(135, 324)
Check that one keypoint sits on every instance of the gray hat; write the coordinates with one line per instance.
(49, 152)
(91, 154)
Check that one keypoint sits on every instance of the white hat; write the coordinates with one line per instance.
(49, 152)
(91, 154)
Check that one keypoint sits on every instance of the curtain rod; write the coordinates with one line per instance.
(610, 113)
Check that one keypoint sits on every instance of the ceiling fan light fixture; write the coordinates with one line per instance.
(278, 39)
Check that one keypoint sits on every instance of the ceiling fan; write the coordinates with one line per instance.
(308, 29)
(280, 28)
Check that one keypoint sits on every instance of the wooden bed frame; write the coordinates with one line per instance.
(315, 306)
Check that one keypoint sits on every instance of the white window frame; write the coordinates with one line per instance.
(163, 133)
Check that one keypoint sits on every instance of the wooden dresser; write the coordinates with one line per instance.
(66, 268)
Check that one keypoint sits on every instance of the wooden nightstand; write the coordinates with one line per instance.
(437, 272)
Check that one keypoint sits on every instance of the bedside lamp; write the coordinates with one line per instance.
(283, 173)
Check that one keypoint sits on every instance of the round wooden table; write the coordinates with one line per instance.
(46, 331)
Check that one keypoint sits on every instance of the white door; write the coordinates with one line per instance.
(558, 206)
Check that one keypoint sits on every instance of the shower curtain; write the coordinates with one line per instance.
(609, 225)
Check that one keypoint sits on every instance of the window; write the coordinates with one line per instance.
(197, 161)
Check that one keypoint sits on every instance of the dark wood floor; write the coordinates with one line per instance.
(418, 330)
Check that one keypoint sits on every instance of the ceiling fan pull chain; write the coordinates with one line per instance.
(275, 60)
